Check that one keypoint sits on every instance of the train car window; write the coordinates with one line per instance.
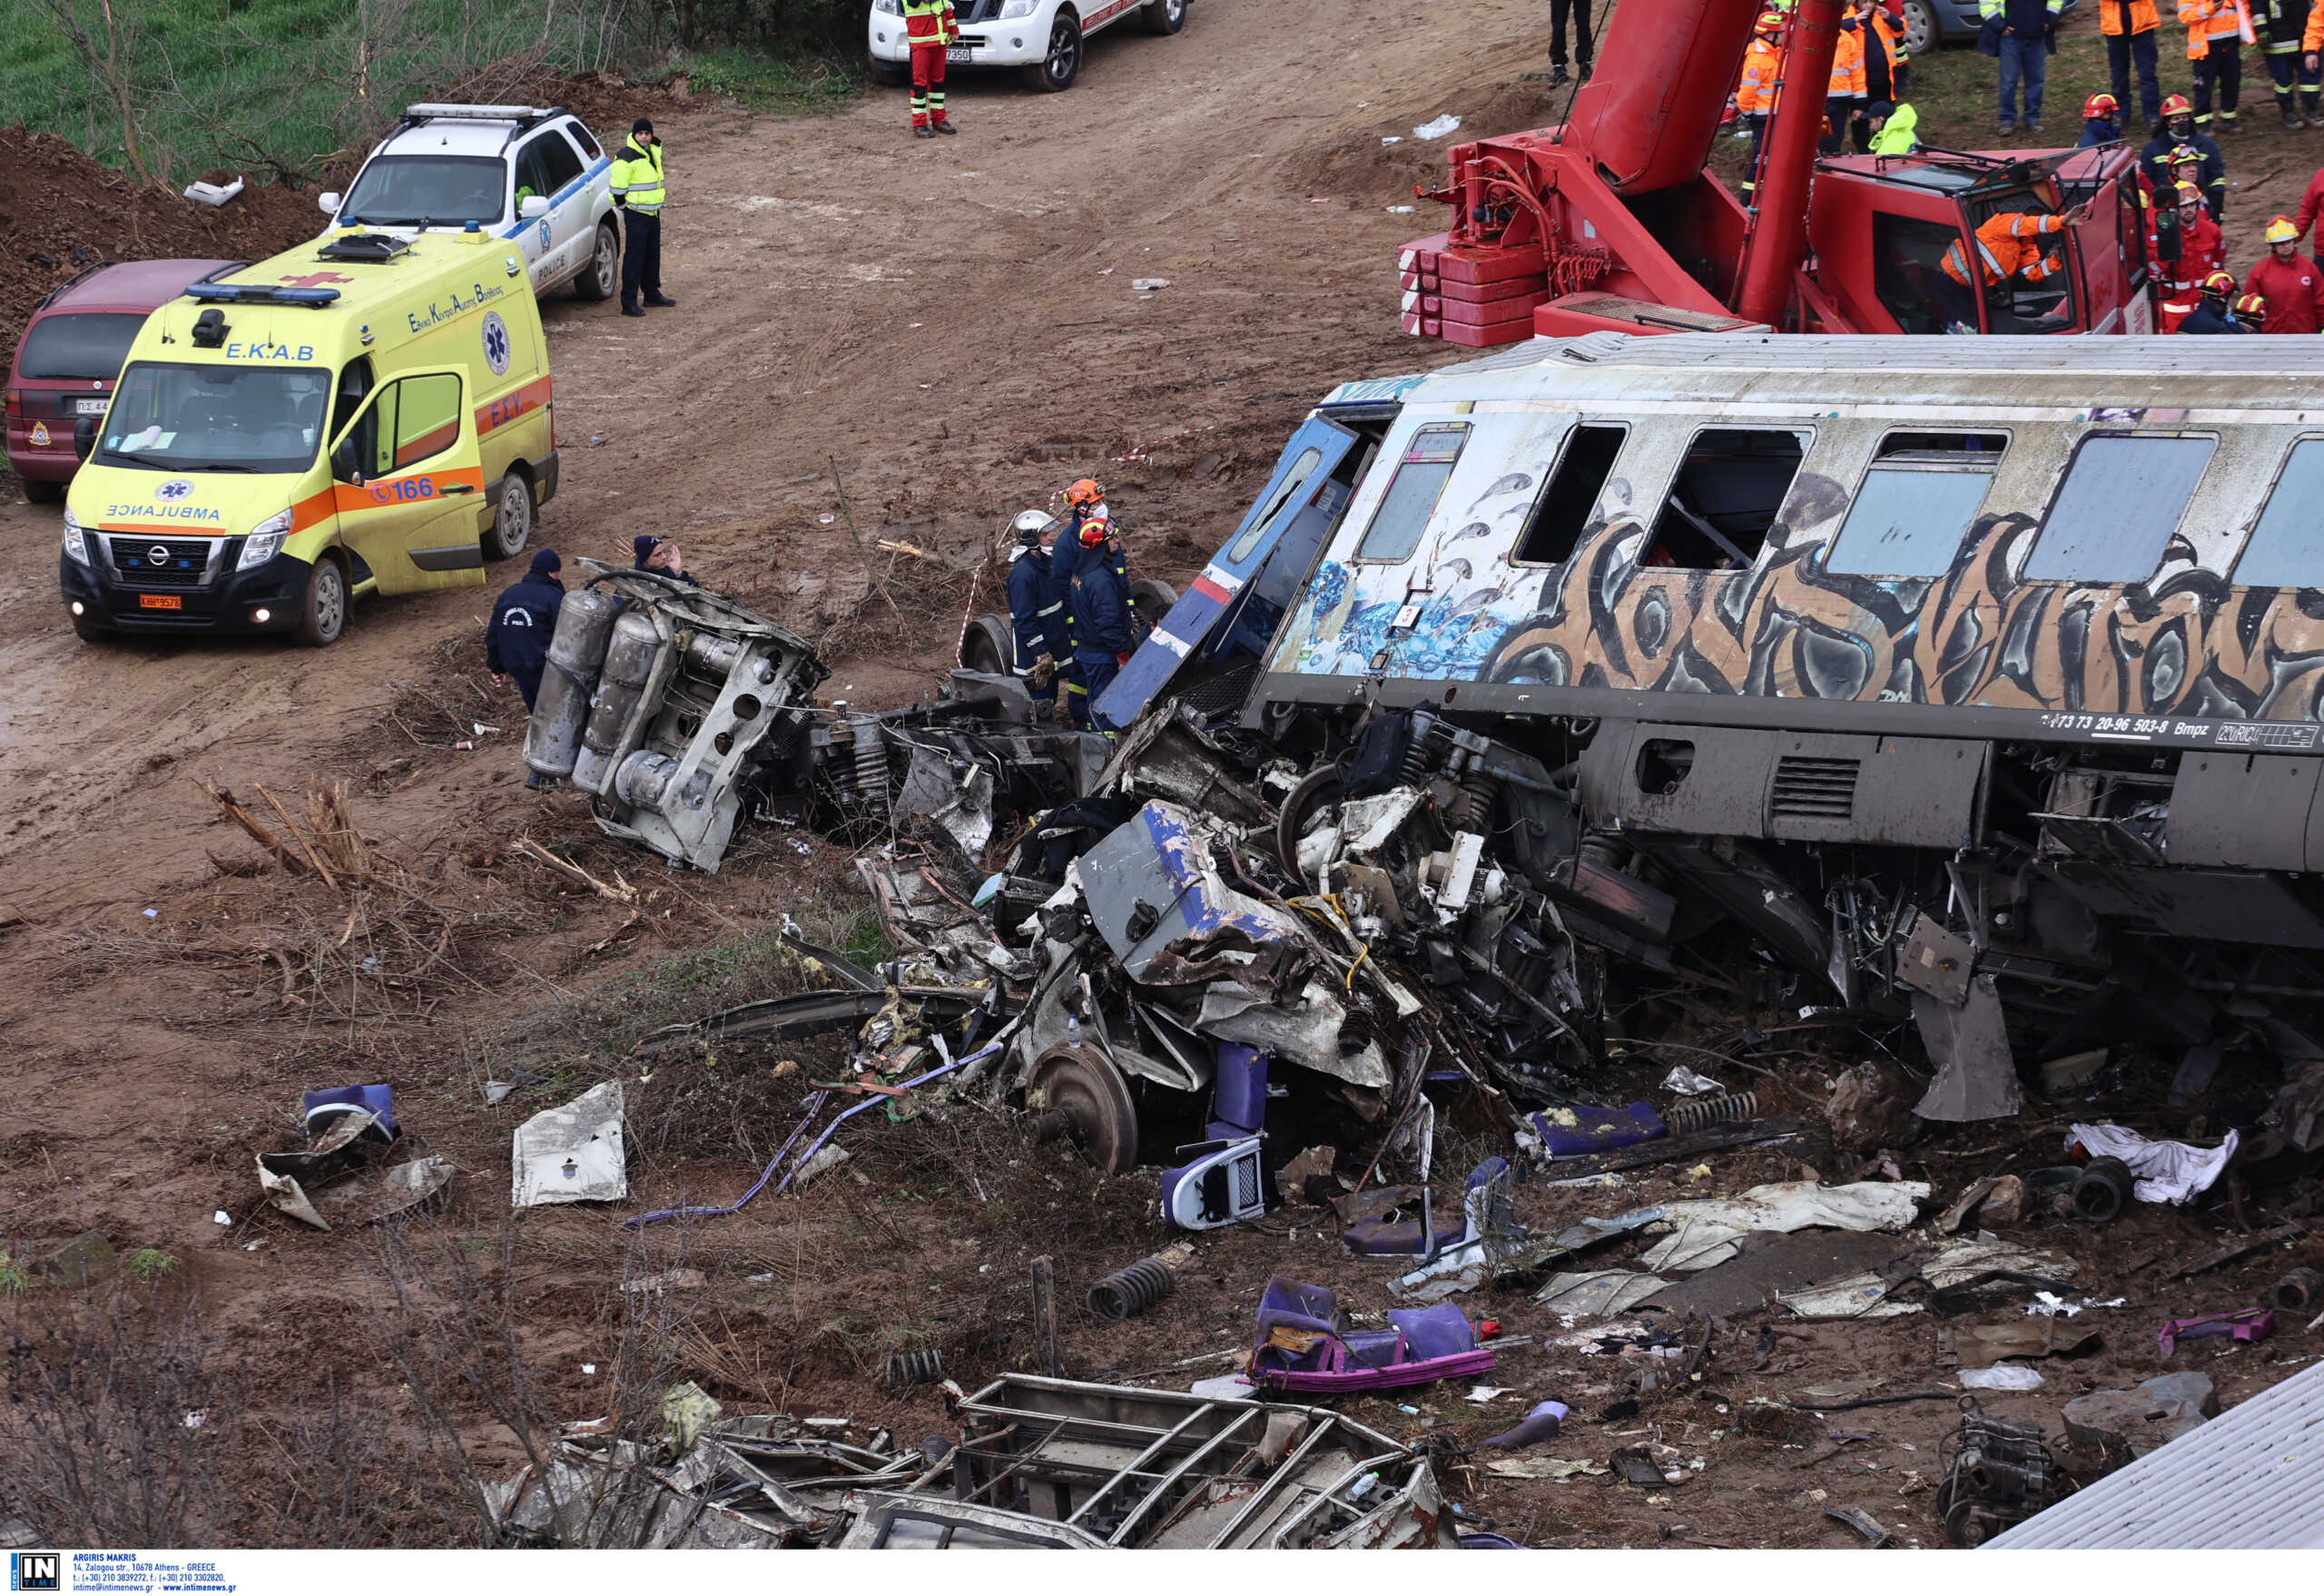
(1908, 272)
(1915, 507)
(1724, 499)
(2287, 548)
(1947, 443)
(2114, 512)
(1294, 480)
(1412, 492)
(1568, 495)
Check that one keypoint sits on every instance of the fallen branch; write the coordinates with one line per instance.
(258, 833)
(299, 837)
(623, 893)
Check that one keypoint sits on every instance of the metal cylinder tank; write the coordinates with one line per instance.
(576, 653)
(643, 778)
(629, 662)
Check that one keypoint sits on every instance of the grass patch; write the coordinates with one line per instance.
(150, 1262)
(12, 1277)
(783, 84)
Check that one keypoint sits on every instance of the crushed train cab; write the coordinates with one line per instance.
(1972, 680)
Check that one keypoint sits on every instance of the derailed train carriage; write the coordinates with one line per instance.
(1975, 679)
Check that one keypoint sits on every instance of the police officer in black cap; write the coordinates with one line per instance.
(524, 619)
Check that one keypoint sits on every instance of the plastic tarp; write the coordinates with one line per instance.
(572, 1154)
(1704, 1233)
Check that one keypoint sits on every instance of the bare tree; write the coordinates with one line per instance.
(107, 47)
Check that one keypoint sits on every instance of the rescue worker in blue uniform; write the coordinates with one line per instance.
(1102, 633)
(516, 641)
(1037, 609)
(1083, 499)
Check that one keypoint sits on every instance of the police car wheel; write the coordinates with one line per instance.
(602, 275)
(39, 492)
(512, 522)
(322, 613)
(1163, 17)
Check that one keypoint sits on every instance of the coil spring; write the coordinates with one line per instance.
(911, 1368)
(1720, 1110)
(2299, 1291)
(1130, 1291)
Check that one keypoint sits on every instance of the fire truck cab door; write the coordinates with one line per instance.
(1301, 504)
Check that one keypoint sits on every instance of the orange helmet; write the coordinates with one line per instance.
(1095, 531)
(1770, 22)
(1084, 493)
(2251, 308)
(2188, 195)
(2099, 105)
(2221, 283)
(2178, 105)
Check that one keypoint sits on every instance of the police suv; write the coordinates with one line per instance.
(1042, 38)
(530, 174)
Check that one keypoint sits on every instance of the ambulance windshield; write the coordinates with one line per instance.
(169, 417)
(437, 190)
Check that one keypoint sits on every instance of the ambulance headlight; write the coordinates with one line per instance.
(75, 545)
(265, 541)
(1011, 8)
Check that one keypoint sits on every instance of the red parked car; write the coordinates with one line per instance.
(70, 355)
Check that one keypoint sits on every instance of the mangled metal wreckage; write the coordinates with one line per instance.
(1968, 688)
(1968, 685)
(1039, 1463)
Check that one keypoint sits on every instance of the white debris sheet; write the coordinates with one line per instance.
(2166, 1171)
(572, 1154)
(1704, 1233)
(1598, 1294)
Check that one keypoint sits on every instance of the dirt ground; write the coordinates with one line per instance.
(953, 325)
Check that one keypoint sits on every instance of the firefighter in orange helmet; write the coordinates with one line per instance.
(1755, 96)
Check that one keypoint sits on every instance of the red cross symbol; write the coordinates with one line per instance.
(316, 280)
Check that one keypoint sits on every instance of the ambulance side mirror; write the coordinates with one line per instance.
(347, 463)
(84, 435)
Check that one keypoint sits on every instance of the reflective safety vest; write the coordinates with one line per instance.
(1892, 34)
(637, 178)
(1847, 67)
(2311, 37)
(930, 22)
(1763, 73)
(2139, 14)
(1762, 69)
(2008, 246)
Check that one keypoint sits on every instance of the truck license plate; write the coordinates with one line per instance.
(89, 407)
(957, 55)
(161, 601)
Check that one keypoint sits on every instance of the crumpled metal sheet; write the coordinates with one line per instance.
(1169, 914)
(335, 1181)
(1706, 1231)
(1305, 1032)
(1598, 1294)
(572, 1154)
(1976, 1074)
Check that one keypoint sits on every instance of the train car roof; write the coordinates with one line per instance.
(2084, 372)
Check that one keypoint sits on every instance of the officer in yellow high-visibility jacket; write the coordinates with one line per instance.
(640, 190)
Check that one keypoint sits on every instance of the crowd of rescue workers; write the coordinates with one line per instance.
(2182, 174)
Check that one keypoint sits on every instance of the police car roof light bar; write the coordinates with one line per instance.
(260, 293)
(429, 110)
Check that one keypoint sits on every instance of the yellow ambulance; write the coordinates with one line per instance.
(366, 413)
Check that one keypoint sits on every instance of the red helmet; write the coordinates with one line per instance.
(2221, 283)
(1084, 493)
(2178, 105)
(1097, 529)
(2251, 308)
(2099, 105)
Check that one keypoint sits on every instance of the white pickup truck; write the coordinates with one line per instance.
(1042, 38)
(526, 172)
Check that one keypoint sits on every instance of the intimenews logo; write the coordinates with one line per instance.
(36, 1570)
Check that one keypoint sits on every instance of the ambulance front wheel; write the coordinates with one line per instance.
(322, 611)
(512, 520)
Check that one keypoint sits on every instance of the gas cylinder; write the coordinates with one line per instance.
(629, 662)
(576, 653)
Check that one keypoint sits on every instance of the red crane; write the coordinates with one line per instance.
(1610, 221)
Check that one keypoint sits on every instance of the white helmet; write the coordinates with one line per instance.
(1032, 526)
